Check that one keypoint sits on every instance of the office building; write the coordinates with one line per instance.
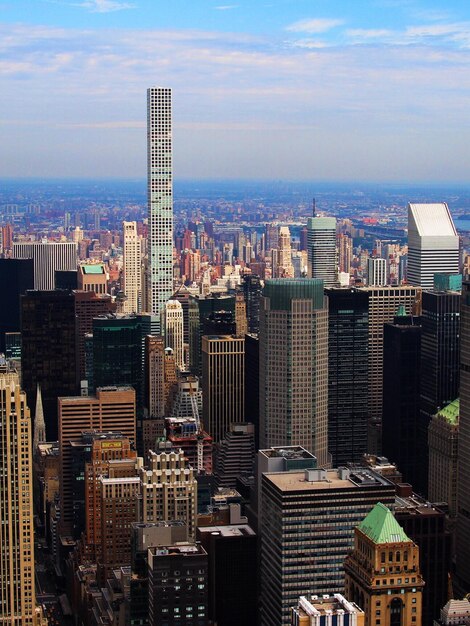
(403, 433)
(348, 374)
(285, 268)
(17, 585)
(132, 270)
(463, 479)
(223, 381)
(109, 455)
(16, 276)
(235, 455)
(252, 383)
(433, 243)
(112, 409)
(92, 277)
(307, 527)
(154, 384)
(345, 252)
(440, 347)
(47, 258)
(322, 251)
(169, 490)
(117, 353)
(425, 524)
(443, 442)
(144, 537)
(377, 272)
(455, 613)
(88, 305)
(65, 279)
(174, 597)
(384, 303)
(319, 611)
(119, 510)
(49, 350)
(232, 576)
(160, 196)
(252, 291)
(293, 366)
(13, 346)
(208, 315)
(173, 330)
(383, 572)
(241, 321)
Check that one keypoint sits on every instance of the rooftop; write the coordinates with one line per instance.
(431, 220)
(95, 268)
(332, 479)
(451, 412)
(230, 530)
(381, 526)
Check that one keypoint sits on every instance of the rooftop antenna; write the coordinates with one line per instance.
(314, 207)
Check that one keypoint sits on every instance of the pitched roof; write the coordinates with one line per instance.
(380, 526)
(451, 412)
(431, 220)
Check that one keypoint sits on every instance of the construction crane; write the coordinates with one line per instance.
(199, 431)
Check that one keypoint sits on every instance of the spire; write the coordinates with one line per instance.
(39, 424)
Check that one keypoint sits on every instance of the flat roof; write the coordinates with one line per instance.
(231, 530)
(296, 481)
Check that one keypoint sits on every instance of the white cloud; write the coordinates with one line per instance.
(85, 102)
(105, 6)
(226, 7)
(318, 25)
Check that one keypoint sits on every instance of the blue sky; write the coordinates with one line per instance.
(354, 90)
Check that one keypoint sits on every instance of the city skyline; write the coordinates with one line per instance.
(374, 91)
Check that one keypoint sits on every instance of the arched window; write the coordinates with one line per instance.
(396, 612)
(397, 556)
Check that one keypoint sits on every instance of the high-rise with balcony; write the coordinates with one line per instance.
(433, 243)
(160, 196)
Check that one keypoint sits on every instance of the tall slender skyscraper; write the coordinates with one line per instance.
(433, 243)
(132, 286)
(160, 196)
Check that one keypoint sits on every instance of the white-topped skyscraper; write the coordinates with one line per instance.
(322, 249)
(433, 243)
(160, 197)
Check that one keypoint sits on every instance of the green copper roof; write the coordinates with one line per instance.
(93, 269)
(451, 412)
(380, 526)
(401, 311)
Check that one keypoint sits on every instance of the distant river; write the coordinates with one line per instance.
(463, 224)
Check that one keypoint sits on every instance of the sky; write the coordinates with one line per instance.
(319, 90)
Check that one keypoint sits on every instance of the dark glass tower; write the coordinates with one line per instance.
(16, 276)
(348, 353)
(440, 350)
(49, 350)
(209, 315)
(404, 435)
(117, 353)
(252, 290)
